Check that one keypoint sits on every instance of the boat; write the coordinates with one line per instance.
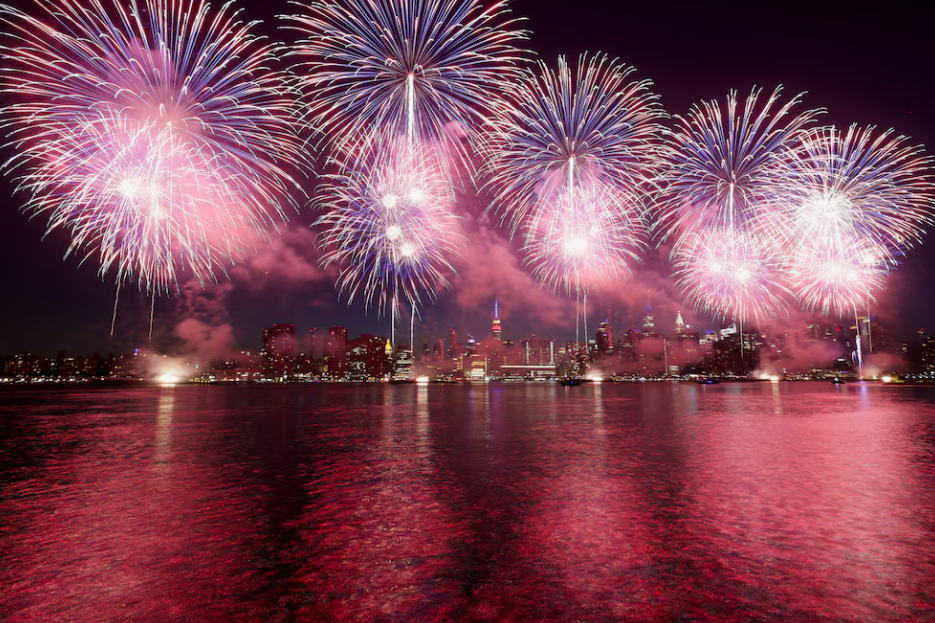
(837, 381)
(568, 381)
(707, 380)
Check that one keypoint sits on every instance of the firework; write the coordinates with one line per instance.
(838, 278)
(724, 169)
(426, 69)
(388, 225)
(591, 127)
(719, 193)
(854, 202)
(728, 273)
(155, 131)
(583, 240)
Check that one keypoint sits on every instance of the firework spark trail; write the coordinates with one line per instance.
(388, 224)
(717, 195)
(424, 68)
(156, 131)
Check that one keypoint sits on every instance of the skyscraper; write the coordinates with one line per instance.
(278, 350)
(605, 338)
(452, 343)
(649, 321)
(335, 350)
(496, 330)
(680, 327)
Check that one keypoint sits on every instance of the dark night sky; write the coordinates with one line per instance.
(865, 66)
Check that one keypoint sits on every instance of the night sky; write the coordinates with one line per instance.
(864, 66)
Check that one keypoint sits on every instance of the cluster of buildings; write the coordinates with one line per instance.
(639, 352)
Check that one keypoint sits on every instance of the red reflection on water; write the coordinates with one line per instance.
(501, 503)
(122, 527)
(380, 530)
(807, 507)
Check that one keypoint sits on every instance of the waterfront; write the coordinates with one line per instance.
(499, 502)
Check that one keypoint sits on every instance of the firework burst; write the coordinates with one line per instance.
(727, 273)
(718, 195)
(590, 128)
(583, 240)
(426, 69)
(862, 196)
(155, 131)
(724, 169)
(837, 278)
(388, 225)
(853, 203)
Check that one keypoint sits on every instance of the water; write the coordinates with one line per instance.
(507, 502)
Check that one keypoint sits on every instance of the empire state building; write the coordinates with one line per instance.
(496, 330)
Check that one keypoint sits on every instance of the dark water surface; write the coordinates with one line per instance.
(501, 502)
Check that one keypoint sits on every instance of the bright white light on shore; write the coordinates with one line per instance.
(595, 379)
(774, 379)
(422, 380)
(168, 379)
(886, 379)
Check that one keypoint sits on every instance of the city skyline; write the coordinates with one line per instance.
(648, 349)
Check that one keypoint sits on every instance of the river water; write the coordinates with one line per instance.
(500, 502)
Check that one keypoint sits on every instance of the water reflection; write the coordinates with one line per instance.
(483, 502)
(164, 424)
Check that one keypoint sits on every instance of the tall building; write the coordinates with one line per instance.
(402, 368)
(313, 343)
(452, 343)
(389, 357)
(649, 321)
(680, 327)
(278, 352)
(335, 351)
(605, 338)
(496, 330)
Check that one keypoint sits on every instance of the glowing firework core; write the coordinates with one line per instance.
(576, 246)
